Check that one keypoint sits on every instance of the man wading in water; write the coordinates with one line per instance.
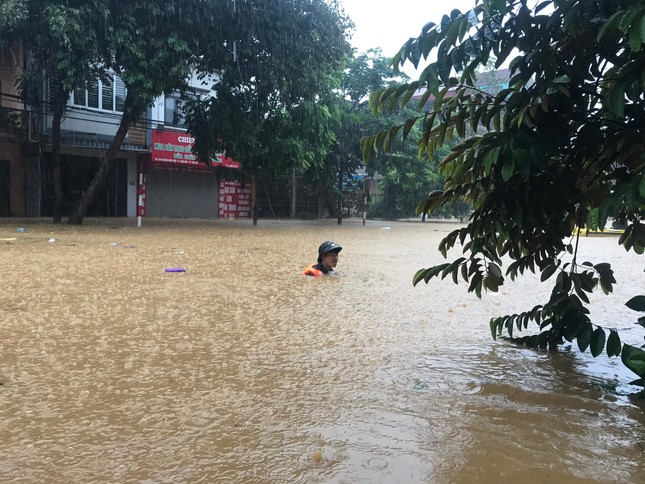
(327, 260)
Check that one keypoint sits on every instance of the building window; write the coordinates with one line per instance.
(175, 109)
(102, 94)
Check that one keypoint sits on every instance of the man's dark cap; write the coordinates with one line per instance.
(328, 246)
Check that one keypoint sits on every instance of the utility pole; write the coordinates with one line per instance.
(339, 221)
(366, 196)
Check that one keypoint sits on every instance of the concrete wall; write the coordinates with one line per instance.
(10, 69)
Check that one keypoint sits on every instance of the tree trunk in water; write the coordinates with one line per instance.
(321, 202)
(294, 194)
(101, 175)
(59, 109)
(254, 198)
(339, 221)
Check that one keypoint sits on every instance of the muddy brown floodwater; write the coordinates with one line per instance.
(242, 370)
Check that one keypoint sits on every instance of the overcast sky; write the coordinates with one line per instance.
(388, 24)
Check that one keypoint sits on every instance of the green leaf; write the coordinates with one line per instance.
(548, 272)
(616, 99)
(495, 269)
(508, 168)
(523, 163)
(613, 344)
(563, 282)
(493, 327)
(439, 98)
(637, 303)
(496, 121)
(597, 341)
(572, 329)
(584, 337)
(410, 92)
(408, 126)
(455, 274)
(492, 283)
(634, 359)
(367, 144)
(418, 276)
(609, 25)
(434, 271)
(386, 94)
(424, 98)
(635, 39)
(490, 159)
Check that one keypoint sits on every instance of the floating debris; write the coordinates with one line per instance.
(175, 269)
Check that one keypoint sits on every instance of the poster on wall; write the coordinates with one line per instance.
(173, 150)
(141, 186)
(234, 199)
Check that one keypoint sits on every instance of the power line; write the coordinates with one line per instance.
(74, 111)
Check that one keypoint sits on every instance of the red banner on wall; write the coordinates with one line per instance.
(174, 150)
(234, 199)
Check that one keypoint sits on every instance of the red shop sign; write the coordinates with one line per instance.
(174, 150)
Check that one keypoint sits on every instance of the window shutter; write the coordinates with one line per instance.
(93, 94)
(79, 97)
(119, 94)
(107, 95)
(52, 92)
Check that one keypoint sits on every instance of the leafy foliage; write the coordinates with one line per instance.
(60, 40)
(364, 72)
(278, 74)
(562, 147)
(153, 46)
(12, 13)
(274, 110)
(63, 46)
(406, 179)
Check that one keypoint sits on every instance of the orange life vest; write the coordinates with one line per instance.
(312, 271)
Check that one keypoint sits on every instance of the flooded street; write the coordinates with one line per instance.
(242, 370)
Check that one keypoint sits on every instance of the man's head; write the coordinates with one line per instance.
(328, 253)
